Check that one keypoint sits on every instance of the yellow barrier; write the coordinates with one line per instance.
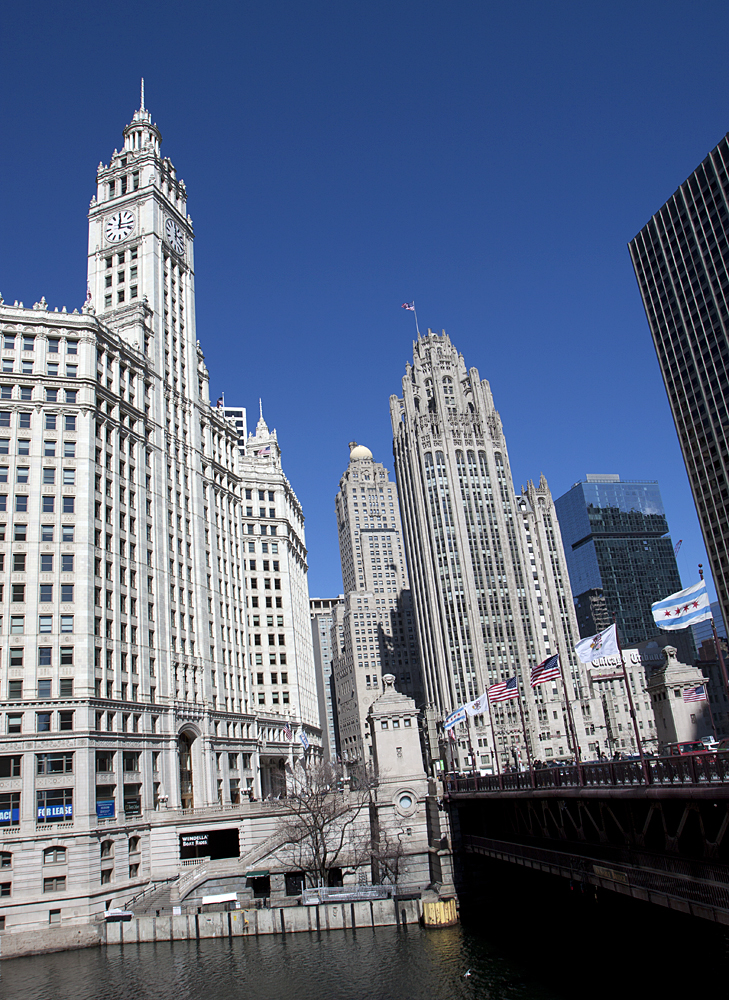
(440, 914)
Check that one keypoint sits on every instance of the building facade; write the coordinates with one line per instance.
(281, 652)
(322, 623)
(490, 588)
(616, 541)
(124, 687)
(373, 626)
(681, 261)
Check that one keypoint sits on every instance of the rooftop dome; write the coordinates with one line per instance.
(358, 452)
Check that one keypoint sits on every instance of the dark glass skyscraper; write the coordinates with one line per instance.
(681, 260)
(615, 538)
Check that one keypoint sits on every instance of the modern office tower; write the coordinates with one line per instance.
(681, 260)
(615, 537)
(124, 692)
(489, 581)
(374, 624)
(281, 652)
(322, 622)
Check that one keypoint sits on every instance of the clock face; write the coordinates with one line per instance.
(175, 236)
(119, 226)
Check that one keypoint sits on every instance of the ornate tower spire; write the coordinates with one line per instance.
(141, 103)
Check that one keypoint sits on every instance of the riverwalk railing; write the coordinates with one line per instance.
(699, 769)
(346, 893)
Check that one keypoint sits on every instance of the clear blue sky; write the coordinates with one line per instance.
(488, 160)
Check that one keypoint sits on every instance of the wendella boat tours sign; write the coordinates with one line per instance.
(213, 844)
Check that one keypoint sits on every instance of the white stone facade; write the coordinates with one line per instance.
(374, 625)
(124, 679)
(490, 587)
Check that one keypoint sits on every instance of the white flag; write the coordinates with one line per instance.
(479, 706)
(683, 609)
(603, 644)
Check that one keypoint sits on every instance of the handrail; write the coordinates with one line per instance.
(690, 769)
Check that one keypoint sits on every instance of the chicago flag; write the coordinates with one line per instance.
(683, 609)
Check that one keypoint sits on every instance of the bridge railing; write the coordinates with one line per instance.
(698, 769)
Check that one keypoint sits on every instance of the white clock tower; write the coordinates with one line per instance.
(141, 243)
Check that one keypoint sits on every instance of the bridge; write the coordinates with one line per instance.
(656, 830)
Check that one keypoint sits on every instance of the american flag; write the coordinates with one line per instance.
(409, 305)
(695, 694)
(546, 671)
(219, 402)
(288, 732)
(503, 690)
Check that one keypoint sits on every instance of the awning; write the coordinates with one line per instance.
(259, 873)
(221, 897)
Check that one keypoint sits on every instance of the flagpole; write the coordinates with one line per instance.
(470, 743)
(719, 655)
(570, 719)
(633, 716)
(493, 737)
(526, 742)
(417, 328)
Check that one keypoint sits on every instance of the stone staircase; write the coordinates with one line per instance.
(226, 867)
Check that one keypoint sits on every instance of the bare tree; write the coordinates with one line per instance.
(331, 820)
(327, 820)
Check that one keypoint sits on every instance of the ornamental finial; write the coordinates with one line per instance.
(141, 106)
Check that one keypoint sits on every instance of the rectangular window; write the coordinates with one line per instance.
(65, 719)
(56, 883)
(48, 505)
(18, 593)
(69, 477)
(20, 532)
(66, 593)
(45, 624)
(67, 621)
(10, 808)
(14, 725)
(46, 593)
(43, 722)
(21, 505)
(69, 505)
(69, 421)
(66, 563)
(54, 763)
(46, 532)
(10, 767)
(67, 531)
(53, 345)
(15, 688)
(17, 624)
(44, 660)
(54, 805)
(52, 394)
(49, 449)
(46, 561)
(69, 449)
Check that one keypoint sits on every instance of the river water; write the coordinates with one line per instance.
(375, 964)
(518, 943)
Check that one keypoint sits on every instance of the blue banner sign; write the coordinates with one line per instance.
(51, 813)
(9, 815)
(105, 810)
